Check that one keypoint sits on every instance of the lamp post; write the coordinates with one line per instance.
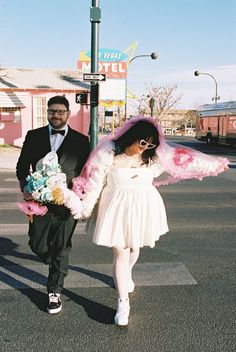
(153, 56)
(216, 97)
(95, 18)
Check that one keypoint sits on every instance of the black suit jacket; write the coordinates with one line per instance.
(72, 153)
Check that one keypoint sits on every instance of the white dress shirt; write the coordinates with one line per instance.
(57, 139)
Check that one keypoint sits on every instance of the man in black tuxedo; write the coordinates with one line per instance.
(50, 235)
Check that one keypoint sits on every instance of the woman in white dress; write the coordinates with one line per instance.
(125, 210)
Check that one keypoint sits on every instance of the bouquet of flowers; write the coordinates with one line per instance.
(48, 185)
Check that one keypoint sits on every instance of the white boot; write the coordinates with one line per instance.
(122, 314)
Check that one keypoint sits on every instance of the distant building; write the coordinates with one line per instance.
(24, 93)
(175, 119)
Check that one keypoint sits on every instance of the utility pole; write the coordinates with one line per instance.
(216, 97)
(95, 19)
(151, 104)
(153, 56)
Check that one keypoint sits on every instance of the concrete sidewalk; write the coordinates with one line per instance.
(9, 157)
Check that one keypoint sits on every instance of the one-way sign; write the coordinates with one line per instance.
(94, 77)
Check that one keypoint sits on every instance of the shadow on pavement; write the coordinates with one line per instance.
(94, 310)
(108, 280)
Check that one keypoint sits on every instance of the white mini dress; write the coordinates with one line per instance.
(130, 211)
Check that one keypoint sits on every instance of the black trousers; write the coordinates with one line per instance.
(50, 238)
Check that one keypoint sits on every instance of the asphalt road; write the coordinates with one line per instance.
(184, 298)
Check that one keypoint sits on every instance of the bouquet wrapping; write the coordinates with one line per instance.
(47, 185)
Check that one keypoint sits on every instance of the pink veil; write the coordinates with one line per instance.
(179, 162)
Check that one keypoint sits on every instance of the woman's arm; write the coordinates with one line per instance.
(99, 167)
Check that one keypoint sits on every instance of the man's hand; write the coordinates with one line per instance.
(27, 196)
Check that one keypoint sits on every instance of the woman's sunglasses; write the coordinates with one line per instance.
(147, 145)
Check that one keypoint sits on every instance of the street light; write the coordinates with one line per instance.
(216, 97)
(153, 56)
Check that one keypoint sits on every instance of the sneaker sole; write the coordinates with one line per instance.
(121, 324)
(54, 311)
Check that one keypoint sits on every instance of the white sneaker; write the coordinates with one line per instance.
(122, 314)
(54, 303)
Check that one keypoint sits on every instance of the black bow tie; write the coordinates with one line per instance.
(62, 132)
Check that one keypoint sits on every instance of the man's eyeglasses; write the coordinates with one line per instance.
(59, 112)
(147, 145)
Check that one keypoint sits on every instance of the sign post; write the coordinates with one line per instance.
(95, 18)
(94, 77)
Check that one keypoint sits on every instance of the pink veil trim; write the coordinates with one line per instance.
(183, 163)
(179, 162)
(105, 143)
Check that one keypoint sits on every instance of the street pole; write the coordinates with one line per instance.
(95, 18)
(153, 56)
(216, 97)
(152, 104)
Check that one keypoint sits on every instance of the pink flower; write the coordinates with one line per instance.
(78, 186)
(182, 157)
(32, 208)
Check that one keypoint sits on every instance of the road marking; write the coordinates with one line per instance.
(22, 229)
(10, 190)
(95, 275)
(11, 180)
(8, 205)
(187, 204)
(9, 230)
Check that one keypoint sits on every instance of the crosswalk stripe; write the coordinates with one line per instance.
(22, 229)
(10, 190)
(13, 205)
(95, 275)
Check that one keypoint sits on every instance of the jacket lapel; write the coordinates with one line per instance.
(46, 138)
(62, 151)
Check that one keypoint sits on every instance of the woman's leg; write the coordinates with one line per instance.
(121, 270)
(133, 257)
(121, 276)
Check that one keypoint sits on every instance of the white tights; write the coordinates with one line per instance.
(124, 260)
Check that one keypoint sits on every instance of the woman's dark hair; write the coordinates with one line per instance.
(140, 130)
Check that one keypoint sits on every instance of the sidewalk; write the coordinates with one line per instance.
(9, 157)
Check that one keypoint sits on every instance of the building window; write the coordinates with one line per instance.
(12, 114)
(41, 111)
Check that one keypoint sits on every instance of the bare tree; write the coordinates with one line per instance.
(163, 97)
(189, 119)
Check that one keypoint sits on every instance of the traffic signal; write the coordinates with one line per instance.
(108, 113)
(151, 103)
(94, 93)
(81, 98)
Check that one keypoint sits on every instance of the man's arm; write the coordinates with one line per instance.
(24, 162)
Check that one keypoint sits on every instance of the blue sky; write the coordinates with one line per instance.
(188, 35)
